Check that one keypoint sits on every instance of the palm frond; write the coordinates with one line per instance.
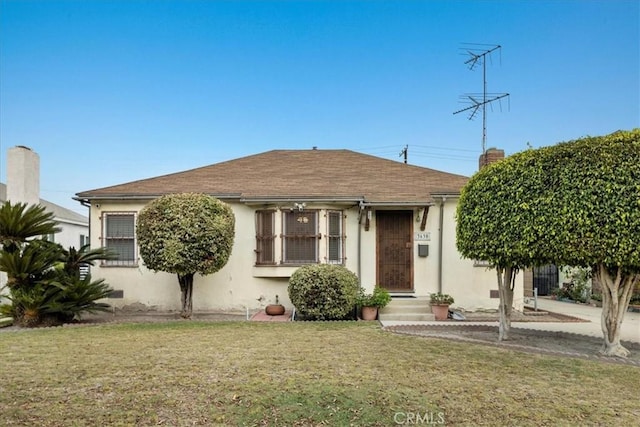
(20, 222)
(85, 256)
(34, 264)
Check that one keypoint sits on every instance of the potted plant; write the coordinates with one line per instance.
(440, 305)
(370, 303)
(276, 309)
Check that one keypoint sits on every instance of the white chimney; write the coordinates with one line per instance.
(23, 175)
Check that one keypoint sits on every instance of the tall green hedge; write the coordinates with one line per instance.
(576, 203)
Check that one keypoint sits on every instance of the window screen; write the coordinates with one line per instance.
(119, 237)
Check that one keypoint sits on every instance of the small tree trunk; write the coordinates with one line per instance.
(506, 281)
(186, 291)
(616, 294)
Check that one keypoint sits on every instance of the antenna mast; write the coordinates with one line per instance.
(478, 55)
(404, 153)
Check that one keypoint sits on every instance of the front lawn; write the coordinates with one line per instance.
(341, 373)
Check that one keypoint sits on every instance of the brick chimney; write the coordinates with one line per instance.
(23, 175)
(492, 155)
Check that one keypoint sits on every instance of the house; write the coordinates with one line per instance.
(392, 224)
(74, 228)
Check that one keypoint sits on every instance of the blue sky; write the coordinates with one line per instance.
(109, 92)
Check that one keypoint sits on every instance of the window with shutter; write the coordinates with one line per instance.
(335, 237)
(265, 237)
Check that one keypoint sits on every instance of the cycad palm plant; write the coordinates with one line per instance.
(43, 278)
(28, 306)
(30, 272)
(20, 222)
(33, 264)
(73, 259)
(74, 295)
(27, 261)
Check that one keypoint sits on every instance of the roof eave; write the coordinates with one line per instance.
(302, 199)
(399, 204)
(445, 194)
(86, 197)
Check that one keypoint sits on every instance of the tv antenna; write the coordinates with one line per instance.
(478, 54)
(404, 153)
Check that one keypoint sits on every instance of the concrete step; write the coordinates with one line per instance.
(396, 308)
(407, 310)
(406, 317)
(398, 305)
(409, 300)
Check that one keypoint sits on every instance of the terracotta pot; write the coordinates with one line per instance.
(369, 313)
(441, 312)
(274, 309)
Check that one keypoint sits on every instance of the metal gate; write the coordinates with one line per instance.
(395, 250)
(545, 278)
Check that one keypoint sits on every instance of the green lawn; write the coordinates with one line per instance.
(342, 373)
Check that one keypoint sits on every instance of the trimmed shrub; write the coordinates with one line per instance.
(323, 291)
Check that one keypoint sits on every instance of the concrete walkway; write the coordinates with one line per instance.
(630, 330)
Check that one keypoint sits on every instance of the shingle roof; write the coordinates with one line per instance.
(302, 174)
(60, 213)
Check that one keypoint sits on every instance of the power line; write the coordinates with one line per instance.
(444, 157)
(432, 147)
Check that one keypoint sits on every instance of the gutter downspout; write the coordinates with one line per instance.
(360, 242)
(440, 241)
(87, 204)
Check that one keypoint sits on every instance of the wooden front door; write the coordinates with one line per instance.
(394, 243)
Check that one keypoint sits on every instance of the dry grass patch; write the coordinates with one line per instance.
(244, 373)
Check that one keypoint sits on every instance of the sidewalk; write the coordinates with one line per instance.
(630, 330)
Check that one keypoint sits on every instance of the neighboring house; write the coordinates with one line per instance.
(74, 228)
(391, 223)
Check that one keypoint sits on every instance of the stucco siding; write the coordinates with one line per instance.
(69, 234)
(237, 286)
(468, 283)
(241, 284)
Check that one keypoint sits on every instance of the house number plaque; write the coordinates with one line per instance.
(422, 236)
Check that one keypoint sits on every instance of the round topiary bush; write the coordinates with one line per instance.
(323, 291)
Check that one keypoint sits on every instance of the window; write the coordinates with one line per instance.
(119, 236)
(300, 237)
(292, 237)
(265, 237)
(334, 237)
(84, 240)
